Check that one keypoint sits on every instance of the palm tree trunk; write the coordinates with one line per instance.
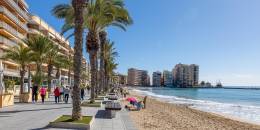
(50, 69)
(102, 36)
(92, 48)
(93, 59)
(78, 6)
(38, 67)
(69, 77)
(29, 79)
(22, 73)
(97, 89)
(58, 74)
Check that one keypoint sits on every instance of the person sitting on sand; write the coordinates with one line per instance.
(136, 107)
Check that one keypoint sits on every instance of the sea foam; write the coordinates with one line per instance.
(242, 112)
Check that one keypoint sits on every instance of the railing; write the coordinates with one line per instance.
(13, 17)
(12, 30)
(24, 3)
(18, 9)
(35, 31)
(7, 41)
(11, 72)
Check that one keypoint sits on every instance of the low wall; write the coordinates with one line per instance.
(25, 97)
(6, 100)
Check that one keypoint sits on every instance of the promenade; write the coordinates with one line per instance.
(37, 116)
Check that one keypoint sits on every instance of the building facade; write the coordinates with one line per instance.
(157, 79)
(17, 24)
(167, 78)
(14, 17)
(138, 77)
(120, 79)
(186, 75)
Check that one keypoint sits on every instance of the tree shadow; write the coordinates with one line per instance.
(17, 111)
(103, 114)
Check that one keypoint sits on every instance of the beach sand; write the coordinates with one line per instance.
(166, 116)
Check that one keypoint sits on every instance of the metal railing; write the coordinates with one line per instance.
(13, 17)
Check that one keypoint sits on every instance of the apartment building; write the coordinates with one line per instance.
(167, 78)
(14, 17)
(16, 24)
(138, 77)
(157, 79)
(38, 26)
(119, 79)
(186, 75)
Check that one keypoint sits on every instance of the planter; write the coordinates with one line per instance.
(25, 97)
(6, 100)
(66, 123)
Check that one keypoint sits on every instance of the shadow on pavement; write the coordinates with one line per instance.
(102, 114)
(16, 111)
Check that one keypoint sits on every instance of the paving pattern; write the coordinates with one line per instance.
(37, 116)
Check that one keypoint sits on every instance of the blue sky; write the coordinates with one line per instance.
(221, 36)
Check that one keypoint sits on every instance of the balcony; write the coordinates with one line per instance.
(18, 9)
(7, 41)
(34, 31)
(11, 72)
(11, 30)
(13, 18)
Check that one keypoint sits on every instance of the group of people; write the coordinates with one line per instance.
(60, 93)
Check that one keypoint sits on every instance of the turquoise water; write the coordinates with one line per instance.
(239, 103)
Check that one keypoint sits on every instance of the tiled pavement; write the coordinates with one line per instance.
(122, 121)
(37, 116)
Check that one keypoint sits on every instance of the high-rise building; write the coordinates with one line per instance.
(138, 77)
(167, 78)
(157, 76)
(186, 75)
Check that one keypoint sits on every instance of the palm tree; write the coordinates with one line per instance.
(121, 20)
(22, 56)
(40, 47)
(99, 15)
(51, 57)
(60, 63)
(78, 6)
(109, 62)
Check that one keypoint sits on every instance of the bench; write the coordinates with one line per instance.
(111, 108)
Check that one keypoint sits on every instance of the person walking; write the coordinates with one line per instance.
(57, 94)
(35, 93)
(66, 94)
(82, 93)
(61, 93)
(43, 93)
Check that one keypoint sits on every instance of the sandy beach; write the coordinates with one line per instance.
(165, 116)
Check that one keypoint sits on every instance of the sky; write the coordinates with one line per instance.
(221, 36)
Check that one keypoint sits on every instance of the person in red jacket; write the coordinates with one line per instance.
(57, 94)
(43, 93)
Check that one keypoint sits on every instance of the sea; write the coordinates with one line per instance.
(239, 103)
